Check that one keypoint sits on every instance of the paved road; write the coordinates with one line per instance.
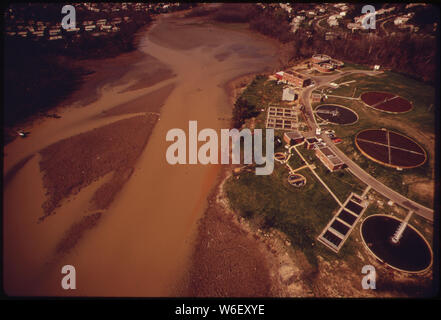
(399, 199)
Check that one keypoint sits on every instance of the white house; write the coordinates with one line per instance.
(332, 21)
(400, 20)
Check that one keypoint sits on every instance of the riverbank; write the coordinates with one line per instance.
(233, 259)
(113, 218)
(234, 256)
(53, 72)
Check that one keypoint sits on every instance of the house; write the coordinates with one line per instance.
(106, 28)
(329, 159)
(332, 21)
(55, 37)
(286, 7)
(400, 20)
(90, 28)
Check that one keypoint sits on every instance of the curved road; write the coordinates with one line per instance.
(397, 198)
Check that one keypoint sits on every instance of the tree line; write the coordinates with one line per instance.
(406, 52)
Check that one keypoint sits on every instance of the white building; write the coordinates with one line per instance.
(288, 94)
(332, 21)
(286, 7)
(400, 20)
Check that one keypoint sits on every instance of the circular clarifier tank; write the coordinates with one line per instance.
(411, 254)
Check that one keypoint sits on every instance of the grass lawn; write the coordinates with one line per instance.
(417, 124)
(352, 66)
(270, 202)
(389, 176)
(302, 213)
(341, 182)
(419, 94)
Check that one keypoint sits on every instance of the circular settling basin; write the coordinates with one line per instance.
(390, 148)
(280, 156)
(296, 180)
(336, 114)
(411, 254)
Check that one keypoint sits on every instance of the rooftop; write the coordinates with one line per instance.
(294, 135)
(296, 74)
(331, 155)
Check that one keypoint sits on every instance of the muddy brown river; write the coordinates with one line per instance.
(143, 243)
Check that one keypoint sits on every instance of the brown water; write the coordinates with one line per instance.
(143, 242)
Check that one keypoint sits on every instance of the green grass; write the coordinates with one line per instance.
(420, 94)
(417, 124)
(369, 118)
(302, 213)
(271, 202)
(261, 92)
(352, 66)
